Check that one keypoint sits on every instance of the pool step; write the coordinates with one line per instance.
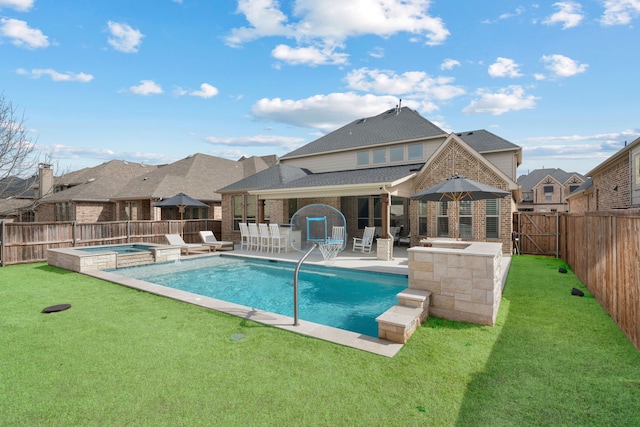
(131, 260)
(400, 322)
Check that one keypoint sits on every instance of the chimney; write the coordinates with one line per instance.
(45, 180)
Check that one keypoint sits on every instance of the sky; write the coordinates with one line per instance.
(154, 81)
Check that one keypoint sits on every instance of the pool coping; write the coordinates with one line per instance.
(327, 333)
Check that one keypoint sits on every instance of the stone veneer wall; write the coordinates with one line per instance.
(465, 285)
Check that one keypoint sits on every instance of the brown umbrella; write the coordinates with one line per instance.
(456, 189)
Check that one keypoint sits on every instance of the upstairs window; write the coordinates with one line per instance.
(396, 154)
(363, 158)
(380, 155)
(416, 152)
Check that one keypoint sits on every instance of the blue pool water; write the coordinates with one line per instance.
(345, 299)
(119, 249)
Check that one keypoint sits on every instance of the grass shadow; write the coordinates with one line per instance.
(559, 358)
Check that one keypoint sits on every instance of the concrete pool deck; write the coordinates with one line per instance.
(345, 259)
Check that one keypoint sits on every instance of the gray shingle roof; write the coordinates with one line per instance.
(199, 176)
(275, 176)
(99, 183)
(351, 177)
(390, 126)
(484, 141)
(533, 178)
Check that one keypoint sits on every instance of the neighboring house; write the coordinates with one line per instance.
(119, 190)
(614, 183)
(86, 195)
(198, 175)
(546, 190)
(369, 168)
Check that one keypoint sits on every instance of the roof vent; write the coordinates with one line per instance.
(361, 121)
(469, 133)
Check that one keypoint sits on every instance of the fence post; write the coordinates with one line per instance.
(128, 231)
(74, 234)
(2, 243)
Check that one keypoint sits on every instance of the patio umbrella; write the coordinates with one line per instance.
(181, 201)
(457, 188)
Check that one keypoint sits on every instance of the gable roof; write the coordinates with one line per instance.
(455, 139)
(99, 183)
(484, 141)
(274, 176)
(533, 178)
(198, 175)
(394, 125)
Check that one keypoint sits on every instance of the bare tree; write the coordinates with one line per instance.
(17, 149)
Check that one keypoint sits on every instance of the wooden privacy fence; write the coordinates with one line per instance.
(603, 250)
(28, 241)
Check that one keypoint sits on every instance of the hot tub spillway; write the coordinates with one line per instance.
(134, 258)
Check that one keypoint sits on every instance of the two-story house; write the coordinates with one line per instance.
(546, 190)
(369, 168)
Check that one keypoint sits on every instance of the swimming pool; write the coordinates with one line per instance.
(337, 297)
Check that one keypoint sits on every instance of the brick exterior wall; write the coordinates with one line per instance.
(605, 182)
(455, 158)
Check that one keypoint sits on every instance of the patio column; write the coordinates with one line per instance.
(260, 218)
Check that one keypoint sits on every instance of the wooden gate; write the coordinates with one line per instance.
(538, 233)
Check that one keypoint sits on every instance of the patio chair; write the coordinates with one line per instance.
(254, 236)
(265, 237)
(337, 234)
(278, 240)
(208, 238)
(176, 240)
(244, 236)
(364, 244)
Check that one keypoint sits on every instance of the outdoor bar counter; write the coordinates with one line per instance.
(465, 278)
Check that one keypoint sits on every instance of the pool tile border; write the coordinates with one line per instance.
(315, 330)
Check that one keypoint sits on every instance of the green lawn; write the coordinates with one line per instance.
(125, 357)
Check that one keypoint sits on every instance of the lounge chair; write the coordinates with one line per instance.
(364, 244)
(208, 238)
(176, 240)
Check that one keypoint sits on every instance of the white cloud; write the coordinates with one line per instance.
(123, 37)
(377, 52)
(146, 87)
(22, 35)
(206, 91)
(578, 150)
(413, 84)
(59, 151)
(504, 67)
(331, 22)
(55, 75)
(620, 12)
(325, 112)
(309, 55)
(19, 5)
(569, 15)
(519, 11)
(507, 99)
(287, 142)
(563, 66)
(449, 64)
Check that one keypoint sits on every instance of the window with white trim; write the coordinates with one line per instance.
(443, 219)
(465, 219)
(492, 219)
